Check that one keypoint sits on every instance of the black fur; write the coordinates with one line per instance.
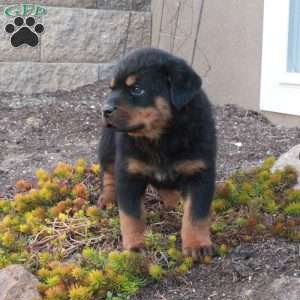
(190, 136)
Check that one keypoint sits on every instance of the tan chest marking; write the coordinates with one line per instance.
(138, 167)
(190, 167)
(186, 167)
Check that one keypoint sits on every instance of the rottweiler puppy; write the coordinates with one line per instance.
(159, 131)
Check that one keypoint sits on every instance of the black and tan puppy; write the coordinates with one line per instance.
(159, 131)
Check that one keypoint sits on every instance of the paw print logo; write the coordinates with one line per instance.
(24, 32)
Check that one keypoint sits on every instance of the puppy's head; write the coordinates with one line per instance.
(148, 86)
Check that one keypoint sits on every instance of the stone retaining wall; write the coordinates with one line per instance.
(79, 45)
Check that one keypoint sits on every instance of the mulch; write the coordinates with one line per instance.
(41, 130)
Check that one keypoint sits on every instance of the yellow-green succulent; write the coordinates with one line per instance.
(74, 248)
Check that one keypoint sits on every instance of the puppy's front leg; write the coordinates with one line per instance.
(130, 190)
(196, 240)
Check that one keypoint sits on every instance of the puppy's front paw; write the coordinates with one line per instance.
(136, 245)
(132, 232)
(196, 241)
(198, 249)
(108, 196)
(106, 199)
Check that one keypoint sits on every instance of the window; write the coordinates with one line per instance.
(294, 38)
(280, 80)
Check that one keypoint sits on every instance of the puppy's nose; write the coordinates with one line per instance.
(108, 110)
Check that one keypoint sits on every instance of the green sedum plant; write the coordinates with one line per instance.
(54, 229)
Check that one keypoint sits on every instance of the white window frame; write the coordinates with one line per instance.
(280, 90)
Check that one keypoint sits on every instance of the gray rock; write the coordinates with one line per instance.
(284, 288)
(28, 78)
(16, 283)
(290, 158)
(84, 35)
(34, 122)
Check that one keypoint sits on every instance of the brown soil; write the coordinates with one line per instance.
(244, 274)
(40, 130)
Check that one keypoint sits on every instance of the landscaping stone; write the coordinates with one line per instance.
(16, 283)
(84, 35)
(290, 158)
(27, 78)
(94, 36)
(283, 288)
(34, 122)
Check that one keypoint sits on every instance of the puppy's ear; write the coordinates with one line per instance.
(184, 82)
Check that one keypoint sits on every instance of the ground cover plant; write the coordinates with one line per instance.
(53, 228)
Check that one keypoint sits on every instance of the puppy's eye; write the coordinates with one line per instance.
(137, 91)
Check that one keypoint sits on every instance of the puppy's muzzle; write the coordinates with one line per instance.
(107, 110)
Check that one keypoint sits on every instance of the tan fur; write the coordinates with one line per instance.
(113, 83)
(108, 195)
(131, 80)
(155, 119)
(132, 231)
(195, 234)
(139, 167)
(190, 167)
(170, 198)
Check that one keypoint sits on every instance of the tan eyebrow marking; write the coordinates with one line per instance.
(131, 80)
